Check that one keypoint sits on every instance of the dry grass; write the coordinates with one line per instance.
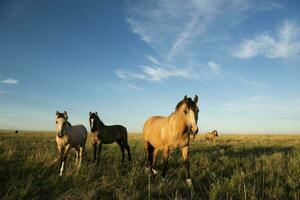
(235, 167)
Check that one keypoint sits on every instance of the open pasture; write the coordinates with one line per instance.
(234, 167)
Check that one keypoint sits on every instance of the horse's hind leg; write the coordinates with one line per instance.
(120, 143)
(154, 156)
(128, 151)
(76, 156)
(149, 149)
(166, 160)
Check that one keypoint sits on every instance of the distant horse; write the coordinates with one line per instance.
(211, 136)
(69, 136)
(102, 134)
(172, 132)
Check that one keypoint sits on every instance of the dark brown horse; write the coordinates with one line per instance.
(102, 134)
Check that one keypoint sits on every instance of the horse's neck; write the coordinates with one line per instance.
(180, 124)
(100, 125)
(68, 128)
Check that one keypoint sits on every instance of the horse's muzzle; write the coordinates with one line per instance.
(60, 135)
(194, 130)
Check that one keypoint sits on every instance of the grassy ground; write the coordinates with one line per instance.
(235, 167)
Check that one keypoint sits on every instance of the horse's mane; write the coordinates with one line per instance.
(98, 120)
(190, 103)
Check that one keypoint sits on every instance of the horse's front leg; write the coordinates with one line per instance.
(185, 155)
(99, 144)
(166, 160)
(63, 159)
(95, 151)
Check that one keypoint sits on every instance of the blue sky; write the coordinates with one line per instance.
(130, 60)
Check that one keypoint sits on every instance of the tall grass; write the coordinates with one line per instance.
(234, 167)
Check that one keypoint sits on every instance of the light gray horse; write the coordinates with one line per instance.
(69, 136)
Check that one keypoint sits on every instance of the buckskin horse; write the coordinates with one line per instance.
(172, 132)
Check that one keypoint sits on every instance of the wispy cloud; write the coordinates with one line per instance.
(9, 81)
(132, 86)
(172, 28)
(215, 68)
(153, 60)
(251, 82)
(285, 43)
(153, 73)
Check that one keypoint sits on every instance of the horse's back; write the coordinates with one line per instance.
(113, 133)
(79, 134)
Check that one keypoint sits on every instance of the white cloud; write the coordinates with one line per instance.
(132, 86)
(215, 68)
(170, 26)
(153, 73)
(251, 82)
(286, 44)
(9, 81)
(153, 60)
(175, 29)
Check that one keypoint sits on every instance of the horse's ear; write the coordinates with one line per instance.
(66, 114)
(196, 99)
(96, 113)
(90, 113)
(185, 98)
(57, 112)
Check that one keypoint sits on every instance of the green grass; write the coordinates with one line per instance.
(235, 167)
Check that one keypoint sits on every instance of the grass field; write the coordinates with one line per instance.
(235, 167)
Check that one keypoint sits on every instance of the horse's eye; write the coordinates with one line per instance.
(56, 122)
(186, 111)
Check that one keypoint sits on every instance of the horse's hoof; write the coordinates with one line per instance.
(154, 171)
(147, 169)
(60, 174)
(189, 182)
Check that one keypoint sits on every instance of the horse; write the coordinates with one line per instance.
(211, 136)
(170, 133)
(68, 137)
(102, 134)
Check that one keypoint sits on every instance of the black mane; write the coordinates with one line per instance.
(190, 103)
(94, 116)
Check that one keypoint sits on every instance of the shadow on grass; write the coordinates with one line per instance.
(230, 151)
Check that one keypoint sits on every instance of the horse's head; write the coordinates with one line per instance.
(61, 122)
(190, 109)
(93, 119)
(216, 133)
